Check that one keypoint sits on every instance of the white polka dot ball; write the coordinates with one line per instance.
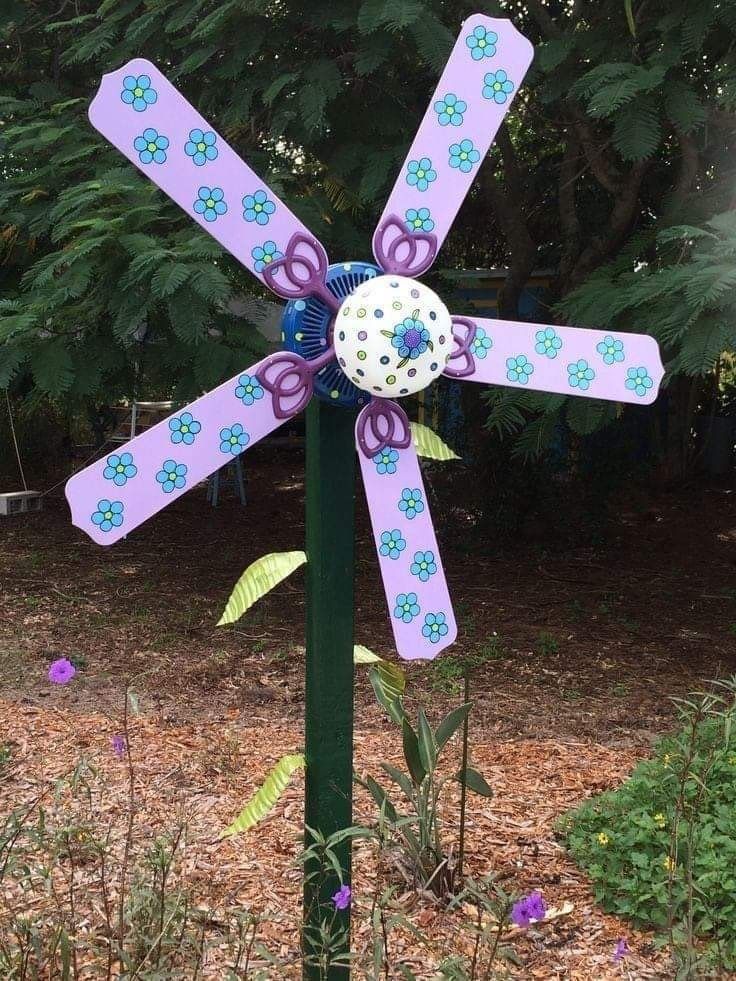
(393, 336)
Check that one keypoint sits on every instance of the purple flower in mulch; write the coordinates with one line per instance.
(529, 908)
(61, 671)
(341, 899)
(118, 745)
(622, 950)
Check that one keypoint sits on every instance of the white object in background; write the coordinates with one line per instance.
(19, 502)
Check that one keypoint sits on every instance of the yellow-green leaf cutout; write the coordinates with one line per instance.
(259, 579)
(266, 797)
(429, 445)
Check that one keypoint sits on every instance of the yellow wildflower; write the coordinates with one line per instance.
(603, 839)
(669, 863)
(732, 759)
(660, 820)
(666, 759)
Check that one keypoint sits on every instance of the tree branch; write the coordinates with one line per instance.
(508, 203)
(722, 118)
(542, 16)
(688, 168)
(566, 203)
(621, 220)
(603, 167)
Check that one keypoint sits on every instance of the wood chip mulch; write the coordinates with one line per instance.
(204, 771)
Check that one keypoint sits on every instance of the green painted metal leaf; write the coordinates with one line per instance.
(259, 579)
(388, 680)
(265, 798)
(429, 444)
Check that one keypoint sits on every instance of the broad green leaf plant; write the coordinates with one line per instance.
(414, 821)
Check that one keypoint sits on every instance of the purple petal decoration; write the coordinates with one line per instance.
(413, 579)
(289, 379)
(484, 72)
(301, 272)
(463, 330)
(172, 457)
(208, 179)
(594, 364)
(398, 251)
(382, 424)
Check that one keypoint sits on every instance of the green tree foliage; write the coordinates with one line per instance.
(625, 126)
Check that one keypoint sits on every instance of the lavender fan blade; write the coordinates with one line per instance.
(115, 495)
(418, 599)
(483, 75)
(567, 360)
(141, 113)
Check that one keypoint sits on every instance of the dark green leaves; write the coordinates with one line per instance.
(474, 781)
(450, 724)
(412, 754)
(637, 130)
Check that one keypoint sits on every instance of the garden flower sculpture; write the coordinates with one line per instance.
(355, 333)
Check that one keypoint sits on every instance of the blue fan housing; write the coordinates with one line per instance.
(305, 326)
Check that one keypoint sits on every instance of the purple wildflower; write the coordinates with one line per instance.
(532, 907)
(118, 745)
(341, 899)
(622, 950)
(61, 671)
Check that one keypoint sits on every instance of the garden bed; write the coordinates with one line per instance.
(576, 652)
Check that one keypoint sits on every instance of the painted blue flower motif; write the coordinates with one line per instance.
(137, 92)
(498, 86)
(258, 208)
(519, 369)
(120, 469)
(580, 375)
(385, 460)
(481, 345)
(611, 349)
(151, 146)
(411, 502)
(172, 475)
(109, 514)
(435, 627)
(548, 343)
(419, 173)
(248, 389)
(423, 565)
(392, 544)
(201, 146)
(419, 220)
(406, 607)
(184, 429)
(638, 380)
(450, 110)
(233, 439)
(410, 338)
(265, 254)
(482, 43)
(463, 155)
(210, 203)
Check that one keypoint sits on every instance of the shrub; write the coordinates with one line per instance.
(661, 849)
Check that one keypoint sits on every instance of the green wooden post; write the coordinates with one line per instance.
(330, 507)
